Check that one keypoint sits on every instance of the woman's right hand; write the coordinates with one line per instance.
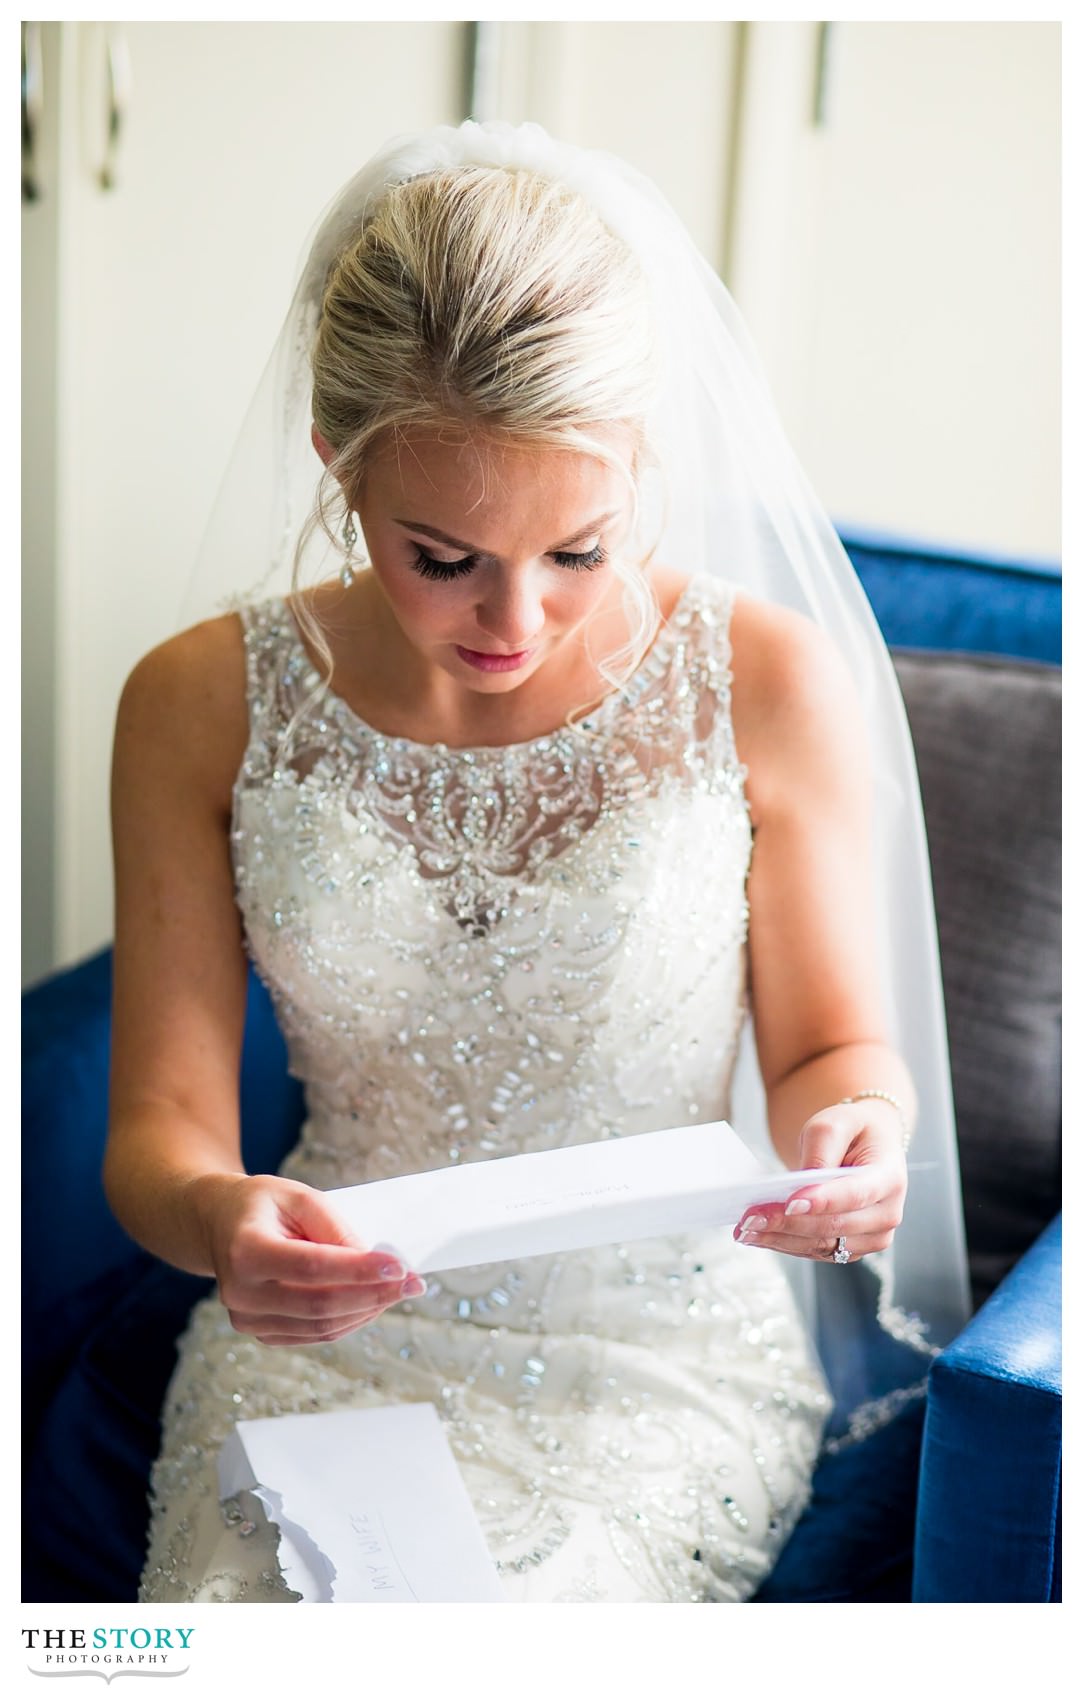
(289, 1271)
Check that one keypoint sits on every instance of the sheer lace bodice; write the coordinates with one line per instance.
(453, 938)
(475, 952)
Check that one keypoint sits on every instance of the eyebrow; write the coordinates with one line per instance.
(472, 549)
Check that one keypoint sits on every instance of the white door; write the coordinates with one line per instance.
(148, 311)
(896, 251)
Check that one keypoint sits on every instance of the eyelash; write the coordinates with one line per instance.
(446, 570)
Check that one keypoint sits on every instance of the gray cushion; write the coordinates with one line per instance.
(987, 739)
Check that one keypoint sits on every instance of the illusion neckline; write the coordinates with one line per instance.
(648, 669)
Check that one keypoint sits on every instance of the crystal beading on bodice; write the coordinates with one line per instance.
(454, 938)
(479, 952)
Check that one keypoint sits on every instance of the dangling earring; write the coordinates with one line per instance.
(349, 537)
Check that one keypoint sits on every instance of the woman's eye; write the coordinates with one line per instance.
(428, 567)
(581, 563)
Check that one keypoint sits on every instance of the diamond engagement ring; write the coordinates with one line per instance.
(840, 1253)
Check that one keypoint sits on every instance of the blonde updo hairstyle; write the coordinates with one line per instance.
(485, 297)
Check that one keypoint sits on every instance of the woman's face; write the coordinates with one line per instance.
(493, 558)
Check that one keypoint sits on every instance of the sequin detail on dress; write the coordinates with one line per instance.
(473, 953)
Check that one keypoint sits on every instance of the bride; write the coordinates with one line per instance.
(588, 765)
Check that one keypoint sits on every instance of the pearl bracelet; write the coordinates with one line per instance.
(889, 1098)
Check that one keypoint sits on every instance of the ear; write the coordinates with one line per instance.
(322, 446)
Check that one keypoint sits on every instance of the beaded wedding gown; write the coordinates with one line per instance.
(479, 952)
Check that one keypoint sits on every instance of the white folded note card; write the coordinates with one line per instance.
(370, 1505)
(638, 1187)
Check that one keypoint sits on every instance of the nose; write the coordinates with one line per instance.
(511, 611)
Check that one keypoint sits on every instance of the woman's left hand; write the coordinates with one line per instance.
(864, 1210)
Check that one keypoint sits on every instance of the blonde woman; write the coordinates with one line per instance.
(525, 816)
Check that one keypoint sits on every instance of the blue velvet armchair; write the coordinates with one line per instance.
(958, 1498)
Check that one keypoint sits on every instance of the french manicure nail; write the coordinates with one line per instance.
(798, 1207)
(415, 1286)
(753, 1224)
(395, 1267)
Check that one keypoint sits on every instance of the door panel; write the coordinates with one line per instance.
(899, 265)
(172, 288)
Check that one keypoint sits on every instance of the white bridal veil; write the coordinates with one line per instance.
(736, 502)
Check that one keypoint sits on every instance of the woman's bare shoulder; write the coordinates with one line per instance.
(185, 702)
(794, 702)
(769, 641)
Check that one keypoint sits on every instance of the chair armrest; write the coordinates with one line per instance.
(70, 1237)
(940, 597)
(988, 1519)
(77, 1259)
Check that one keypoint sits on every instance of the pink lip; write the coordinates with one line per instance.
(486, 663)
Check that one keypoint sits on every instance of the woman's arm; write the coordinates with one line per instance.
(173, 1173)
(817, 1005)
(179, 970)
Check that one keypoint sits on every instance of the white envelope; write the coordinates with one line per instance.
(370, 1505)
(639, 1187)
